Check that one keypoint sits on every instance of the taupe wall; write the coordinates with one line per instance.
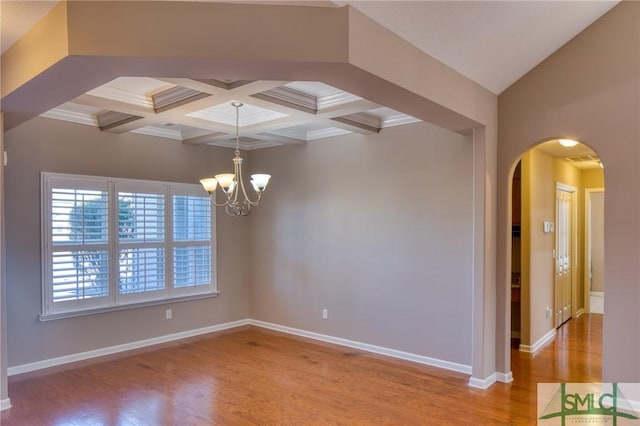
(588, 90)
(47, 145)
(335, 48)
(377, 229)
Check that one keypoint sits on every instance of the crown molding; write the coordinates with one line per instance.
(72, 116)
(159, 132)
(398, 120)
(246, 146)
(328, 132)
(111, 119)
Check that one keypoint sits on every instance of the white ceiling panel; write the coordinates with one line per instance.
(133, 90)
(226, 113)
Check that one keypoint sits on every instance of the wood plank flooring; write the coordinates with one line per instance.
(251, 376)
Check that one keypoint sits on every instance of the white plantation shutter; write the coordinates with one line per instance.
(141, 242)
(76, 249)
(191, 241)
(111, 242)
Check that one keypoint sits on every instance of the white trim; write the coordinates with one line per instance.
(564, 187)
(579, 313)
(72, 116)
(113, 308)
(111, 187)
(52, 362)
(398, 120)
(421, 359)
(504, 377)
(483, 383)
(540, 343)
(328, 132)
(393, 353)
(339, 97)
(5, 404)
(245, 146)
(596, 302)
(587, 243)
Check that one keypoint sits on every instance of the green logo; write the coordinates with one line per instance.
(586, 403)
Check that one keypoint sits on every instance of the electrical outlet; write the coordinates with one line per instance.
(548, 312)
(325, 313)
(168, 314)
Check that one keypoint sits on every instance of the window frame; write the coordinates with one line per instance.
(115, 300)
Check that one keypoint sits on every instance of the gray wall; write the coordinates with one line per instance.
(378, 230)
(54, 146)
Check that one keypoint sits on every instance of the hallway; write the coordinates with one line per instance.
(575, 355)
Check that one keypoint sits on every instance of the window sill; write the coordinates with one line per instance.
(71, 314)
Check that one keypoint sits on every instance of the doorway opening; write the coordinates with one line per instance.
(594, 249)
(557, 257)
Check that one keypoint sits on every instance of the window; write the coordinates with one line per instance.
(110, 243)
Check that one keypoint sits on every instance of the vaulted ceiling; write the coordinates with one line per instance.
(491, 43)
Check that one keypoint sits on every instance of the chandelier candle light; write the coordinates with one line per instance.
(232, 184)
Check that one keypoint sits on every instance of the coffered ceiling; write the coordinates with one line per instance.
(200, 111)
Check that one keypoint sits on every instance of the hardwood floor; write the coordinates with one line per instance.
(251, 376)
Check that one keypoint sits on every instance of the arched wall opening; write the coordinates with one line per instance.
(548, 245)
(587, 89)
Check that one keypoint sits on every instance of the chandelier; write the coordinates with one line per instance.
(237, 202)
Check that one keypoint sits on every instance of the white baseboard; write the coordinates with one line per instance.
(483, 383)
(596, 302)
(540, 343)
(504, 377)
(421, 359)
(38, 365)
(579, 312)
(5, 404)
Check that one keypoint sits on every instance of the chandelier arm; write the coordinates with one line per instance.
(245, 212)
(234, 205)
(212, 198)
(219, 205)
(246, 197)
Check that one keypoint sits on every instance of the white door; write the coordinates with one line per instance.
(563, 259)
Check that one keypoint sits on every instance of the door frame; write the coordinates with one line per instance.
(587, 246)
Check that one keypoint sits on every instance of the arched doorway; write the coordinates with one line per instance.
(549, 271)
